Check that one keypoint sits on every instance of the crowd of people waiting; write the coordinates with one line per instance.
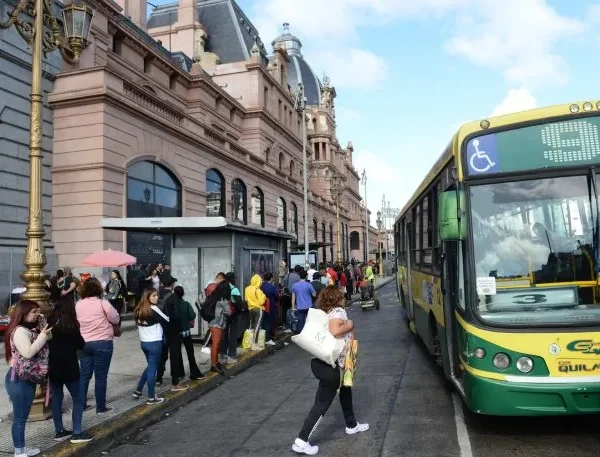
(75, 341)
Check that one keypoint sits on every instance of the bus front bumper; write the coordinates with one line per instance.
(501, 398)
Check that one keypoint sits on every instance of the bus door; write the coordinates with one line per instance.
(408, 293)
(454, 301)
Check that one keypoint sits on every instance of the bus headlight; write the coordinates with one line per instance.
(587, 106)
(501, 361)
(479, 353)
(574, 108)
(525, 364)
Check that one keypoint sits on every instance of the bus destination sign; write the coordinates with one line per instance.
(555, 144)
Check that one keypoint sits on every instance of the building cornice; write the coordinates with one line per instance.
(237, 155)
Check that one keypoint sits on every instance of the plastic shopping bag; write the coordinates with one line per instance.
(316, 338)
(262, 336)
(247, 339)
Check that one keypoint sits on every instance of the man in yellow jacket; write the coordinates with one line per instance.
(256, 300)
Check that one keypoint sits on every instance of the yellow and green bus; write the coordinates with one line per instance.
(498, 262)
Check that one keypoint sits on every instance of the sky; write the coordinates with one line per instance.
(408, 73)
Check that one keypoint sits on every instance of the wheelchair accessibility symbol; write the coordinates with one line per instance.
(480, 161)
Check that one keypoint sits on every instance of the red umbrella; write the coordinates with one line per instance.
(110, 258)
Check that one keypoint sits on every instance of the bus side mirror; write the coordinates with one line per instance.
(451, 216)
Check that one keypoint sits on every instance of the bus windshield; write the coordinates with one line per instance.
(535, 245)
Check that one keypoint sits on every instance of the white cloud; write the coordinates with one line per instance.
(516, 100)
(329, 32)
(515, 37)
(352, 67)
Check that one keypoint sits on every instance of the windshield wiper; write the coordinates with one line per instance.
(591, 181)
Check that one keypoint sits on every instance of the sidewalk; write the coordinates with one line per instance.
(128, 414)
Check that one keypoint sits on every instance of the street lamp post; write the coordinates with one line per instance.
(34, 20)
(300, 106)
(336, 191)
(379, 243)
(366, 240)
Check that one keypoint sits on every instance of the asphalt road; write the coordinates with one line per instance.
(399, 392)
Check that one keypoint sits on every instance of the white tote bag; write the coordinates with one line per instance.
(317, 340)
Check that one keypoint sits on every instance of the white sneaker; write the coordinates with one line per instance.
(304, 447)
(359, 428)
(29, 452)
(271, 343)
(231, 361)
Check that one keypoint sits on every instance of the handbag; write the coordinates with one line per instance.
(116, 327)
(350, 364)
(35, 369)
(316, 339)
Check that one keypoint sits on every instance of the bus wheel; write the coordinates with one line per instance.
(435, 340)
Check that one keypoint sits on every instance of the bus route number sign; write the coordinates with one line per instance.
(553, 144)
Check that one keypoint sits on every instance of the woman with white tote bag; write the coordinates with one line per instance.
(326, 335)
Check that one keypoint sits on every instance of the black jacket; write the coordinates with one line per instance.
(63, 364)
(172, 305)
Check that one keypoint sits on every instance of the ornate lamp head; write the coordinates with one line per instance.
(77, 23)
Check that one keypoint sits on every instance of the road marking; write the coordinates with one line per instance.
(464, 443)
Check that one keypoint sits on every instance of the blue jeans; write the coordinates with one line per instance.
(74, 388)
(95, 359)
(153, 352)
(21, 395)
(302, 314)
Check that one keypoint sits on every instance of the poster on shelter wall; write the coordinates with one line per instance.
(262, 262)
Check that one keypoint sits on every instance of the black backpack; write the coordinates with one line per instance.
(208, 308)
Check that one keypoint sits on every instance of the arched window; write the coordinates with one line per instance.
(293, 218)
(239, 201)
(215, 193)
(152, 191)
(257, 210)
(292, 168)
(281, 214)
(315, 230)
(354, 240)
(281, 160)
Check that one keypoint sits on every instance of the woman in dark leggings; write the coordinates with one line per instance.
(331, 300)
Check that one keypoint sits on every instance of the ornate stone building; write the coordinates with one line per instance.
(180, 133)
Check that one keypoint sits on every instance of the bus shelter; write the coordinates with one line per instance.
(197, 248)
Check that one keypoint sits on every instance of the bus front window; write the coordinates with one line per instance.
(536, 239)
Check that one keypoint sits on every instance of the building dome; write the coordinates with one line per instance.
(298, 70)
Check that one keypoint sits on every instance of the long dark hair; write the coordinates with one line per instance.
(64, 317)
(21, 310)
(121, 282)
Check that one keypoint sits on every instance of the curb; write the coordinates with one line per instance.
(130, 422)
